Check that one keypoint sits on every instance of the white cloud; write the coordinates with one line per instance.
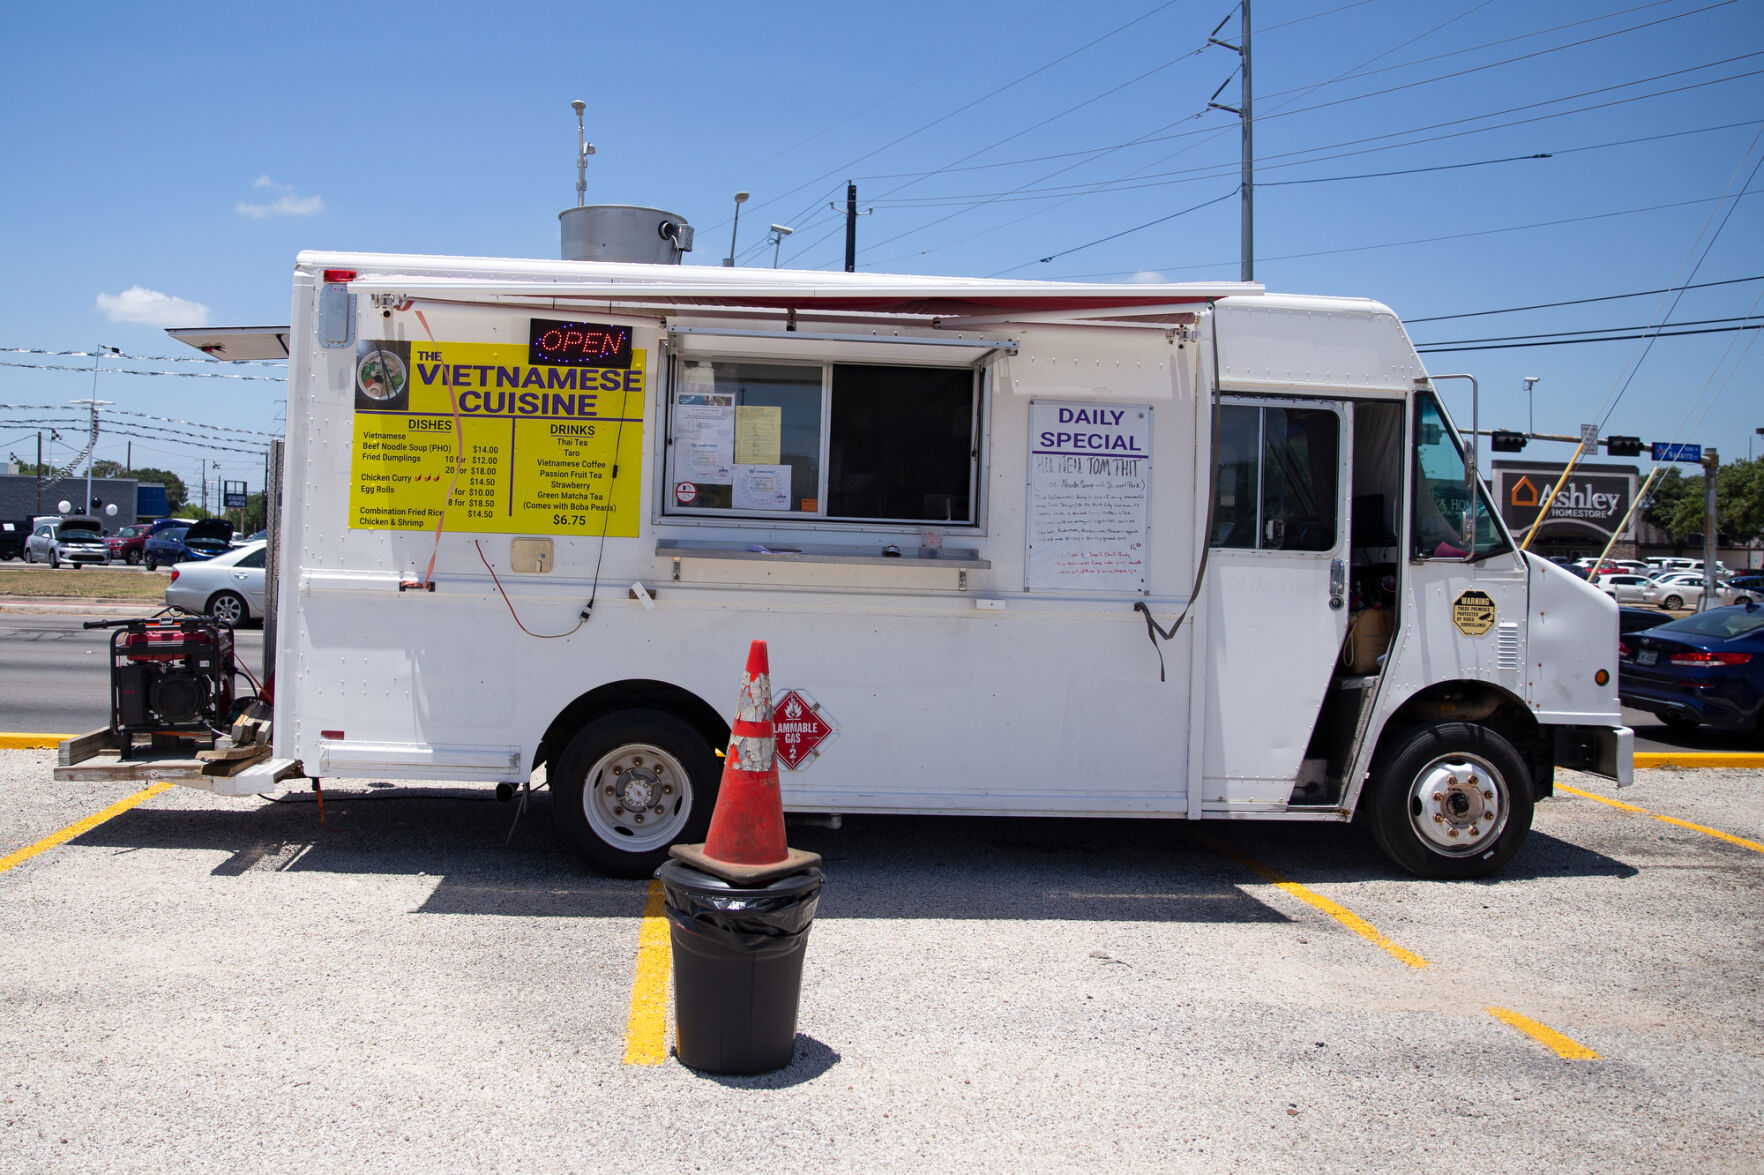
(288, 203)
(1148, 277)
(146, 307)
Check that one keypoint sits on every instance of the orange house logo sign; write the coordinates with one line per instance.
(1523, 493)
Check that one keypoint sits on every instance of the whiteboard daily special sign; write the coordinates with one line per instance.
(1089, 496)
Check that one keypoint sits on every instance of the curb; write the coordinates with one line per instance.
(1699, 759)
(76, 605)
(32, 742)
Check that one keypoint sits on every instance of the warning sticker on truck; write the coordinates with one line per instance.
(1473, 612)
(502, 443)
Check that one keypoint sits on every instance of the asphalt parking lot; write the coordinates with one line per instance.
(203, 983)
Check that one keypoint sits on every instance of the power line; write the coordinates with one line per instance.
(1646, 333)
(1585, 301)
(1603, 330)
(111, 351)
(276, 379)
(1512, 228)
(1137, 227)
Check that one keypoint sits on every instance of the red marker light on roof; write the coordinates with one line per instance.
(339, 275)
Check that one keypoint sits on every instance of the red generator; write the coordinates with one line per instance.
(170, 677)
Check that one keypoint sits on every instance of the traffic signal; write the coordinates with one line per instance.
(1623, 446)
(1502, 441)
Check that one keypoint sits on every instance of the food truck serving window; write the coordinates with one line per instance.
(840, 441)
(1276, 481)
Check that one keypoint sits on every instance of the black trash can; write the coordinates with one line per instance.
(737, 966)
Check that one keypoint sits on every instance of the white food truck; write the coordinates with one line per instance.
(1180, 551)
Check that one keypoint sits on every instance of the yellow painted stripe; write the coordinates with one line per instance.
(1312, 898)
(75, 829)
(31, 742)
(1731, 839)
(646, 1034)
(1699, 759)
(1561, 1045)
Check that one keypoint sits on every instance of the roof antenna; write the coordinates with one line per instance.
(583, 150)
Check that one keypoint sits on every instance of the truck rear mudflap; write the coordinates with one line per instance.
(1597, 750)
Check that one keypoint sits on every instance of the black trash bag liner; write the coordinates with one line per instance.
(745, 916)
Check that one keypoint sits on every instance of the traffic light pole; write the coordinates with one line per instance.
(1711, 537)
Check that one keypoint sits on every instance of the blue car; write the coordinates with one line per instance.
(1706, 669)
(191, 544)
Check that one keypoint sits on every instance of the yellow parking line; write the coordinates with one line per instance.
(646, 1037)
(1561, 1045)
(1312, 898)
(1731, 839)
(1699, 759)
(86, 825)
(10, 741)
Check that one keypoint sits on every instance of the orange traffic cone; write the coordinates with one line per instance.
(745, 844)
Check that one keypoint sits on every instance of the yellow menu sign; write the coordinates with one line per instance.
(495, 442)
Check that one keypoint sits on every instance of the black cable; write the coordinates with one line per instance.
(1585, 301)
(1650, 336)
(1603, 330)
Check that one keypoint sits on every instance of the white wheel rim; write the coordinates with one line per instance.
(225, 608)
(637, 797)
(1458, 805)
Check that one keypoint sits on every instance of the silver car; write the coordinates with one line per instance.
(75, 541)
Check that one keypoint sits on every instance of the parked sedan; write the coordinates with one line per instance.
(1622, 586)
(1703, 669)
(1672, 592)
(127, 543)
(200, 540)
(228, 587)
(1742, 589)
(75, 541)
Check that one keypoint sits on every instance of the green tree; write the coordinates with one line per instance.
(1675, 505)
(1739, 495)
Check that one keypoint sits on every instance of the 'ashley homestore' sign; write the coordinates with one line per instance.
(1592, 503)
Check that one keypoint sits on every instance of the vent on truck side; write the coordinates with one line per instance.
(1507, 654)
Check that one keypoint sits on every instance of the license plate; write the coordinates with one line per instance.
(1646, 657)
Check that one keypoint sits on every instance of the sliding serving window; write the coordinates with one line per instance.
(846, 442)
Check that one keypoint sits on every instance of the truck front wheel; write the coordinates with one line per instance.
(1452, 800)
(628, 785)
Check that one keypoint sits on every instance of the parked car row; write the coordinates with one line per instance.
(78, 540)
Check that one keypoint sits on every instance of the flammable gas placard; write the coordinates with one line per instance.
(522, 447)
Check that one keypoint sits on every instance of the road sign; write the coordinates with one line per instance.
(234, 495)
(801, 729)
(1690, 454)
(1589, 435)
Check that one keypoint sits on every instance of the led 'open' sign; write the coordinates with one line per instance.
(578, 344)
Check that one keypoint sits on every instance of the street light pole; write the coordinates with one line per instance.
(1530, 417)
(740, 199)
(779, 232)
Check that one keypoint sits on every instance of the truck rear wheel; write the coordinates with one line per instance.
(628, 785)
(1452, 800)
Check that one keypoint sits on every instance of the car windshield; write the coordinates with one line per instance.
(1722, 623)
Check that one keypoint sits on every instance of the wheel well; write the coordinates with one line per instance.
(1485, 705)
(634, 693)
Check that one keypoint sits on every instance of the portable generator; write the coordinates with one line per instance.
(171, 676)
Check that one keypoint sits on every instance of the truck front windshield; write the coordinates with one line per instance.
(1440, 506)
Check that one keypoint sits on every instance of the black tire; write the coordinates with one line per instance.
(54, 560)
(595, 824)
(229, 608)
(1679, 723)
(152, 563)
(1742, 600)
(133, 558)
(1434, 756)
(1672, 603)
(30, 556)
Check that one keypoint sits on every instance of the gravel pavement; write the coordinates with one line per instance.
(214, 984)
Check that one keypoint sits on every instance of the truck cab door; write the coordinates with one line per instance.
(1276, 591)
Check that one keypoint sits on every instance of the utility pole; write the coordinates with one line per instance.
(205, 485)
(39, 471)
(129, 462)
(1711, 537)
(851, 214)
(1246, 116)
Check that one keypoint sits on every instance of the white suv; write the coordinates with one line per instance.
(75, 541)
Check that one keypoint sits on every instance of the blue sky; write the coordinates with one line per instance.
(166, 163)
